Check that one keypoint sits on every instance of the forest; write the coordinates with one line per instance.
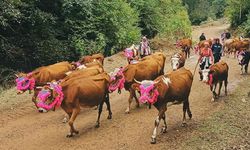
(34, 33)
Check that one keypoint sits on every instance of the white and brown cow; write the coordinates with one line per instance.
(174, 88)
(217, 73)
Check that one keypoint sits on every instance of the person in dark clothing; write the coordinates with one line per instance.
(202, 37)
(217, 50)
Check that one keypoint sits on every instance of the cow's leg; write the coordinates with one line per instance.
(157, 122)
(97, 125)
(71, 121)
(220, 85)
(188, 52)
(225, 83)
(214, 93)
(129, 100)
(164, 128)
(136, 99)
(246, 68)
(108, 106)
(185, 107)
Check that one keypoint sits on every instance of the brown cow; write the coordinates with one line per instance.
(186, 45)
(81, 92)
(95, 57)
(41, 76)
(173, 87)
(217, 73)
(178, 60)
(148, 69)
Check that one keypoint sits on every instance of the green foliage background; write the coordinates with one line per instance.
(41, 32)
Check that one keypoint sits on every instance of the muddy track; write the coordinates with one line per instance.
(22, 127)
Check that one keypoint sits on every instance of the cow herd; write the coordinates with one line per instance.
(85, 83)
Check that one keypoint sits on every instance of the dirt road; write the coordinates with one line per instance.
(22, 127)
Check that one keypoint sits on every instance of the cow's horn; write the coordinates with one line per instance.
(39, 87)
(138, 81)
(156, 82)
(16, 75)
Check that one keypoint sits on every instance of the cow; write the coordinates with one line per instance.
(71, 96)
(174, 88)
(243, 59)
(235, 45)
(132, 54)
(95, 57)
(186, 45)
(178, 60)
(201, 45)
(149, 68)
(217, 73)
(41, 76)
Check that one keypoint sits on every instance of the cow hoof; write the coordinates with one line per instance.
(109, 117)
(97, 125)
(190, 116)
(69, 135)
(76, 132)
(164, 130)
(212, 100)
(184, 124)
(153, 141)
(65, 120)
(137, 105)
(127, 111)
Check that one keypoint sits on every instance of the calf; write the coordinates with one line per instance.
(174, 87)
(243, 59)
(217, 73)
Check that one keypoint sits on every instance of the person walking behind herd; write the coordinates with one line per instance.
(217, 50)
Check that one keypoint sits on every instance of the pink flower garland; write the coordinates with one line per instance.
(210, 81)
(30, 83)
(128, 53)
(44, 94)
(120, 84)
(145, 94)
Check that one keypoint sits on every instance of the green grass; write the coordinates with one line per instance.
(227, 129)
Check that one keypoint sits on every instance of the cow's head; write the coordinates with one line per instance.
(207, 76)
(24, 82)
(241, 58)
(117, 80)
(175, 62)
(50, 97)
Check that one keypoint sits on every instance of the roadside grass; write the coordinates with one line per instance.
(227, 129)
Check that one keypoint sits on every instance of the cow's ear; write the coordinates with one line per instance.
(136, 86)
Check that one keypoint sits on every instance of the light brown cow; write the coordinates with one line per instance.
(148, 69)
(95, 57)
(217, 73)
(186, 45)
(41, 76)
(173, 87)
(79, 92)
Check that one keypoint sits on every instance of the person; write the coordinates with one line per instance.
(217, 50)
(206, 58)
(131, 54)
(202, 37)
(227, 34)
(144, 46)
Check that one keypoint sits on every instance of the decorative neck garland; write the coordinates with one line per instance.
(145, 94)
(25, 83)
(120, 83)
(210, 79)
(43, 95)
(128, 53)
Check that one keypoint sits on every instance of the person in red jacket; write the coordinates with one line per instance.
(206, 58)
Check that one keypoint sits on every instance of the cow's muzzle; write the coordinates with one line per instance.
(42, 110)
